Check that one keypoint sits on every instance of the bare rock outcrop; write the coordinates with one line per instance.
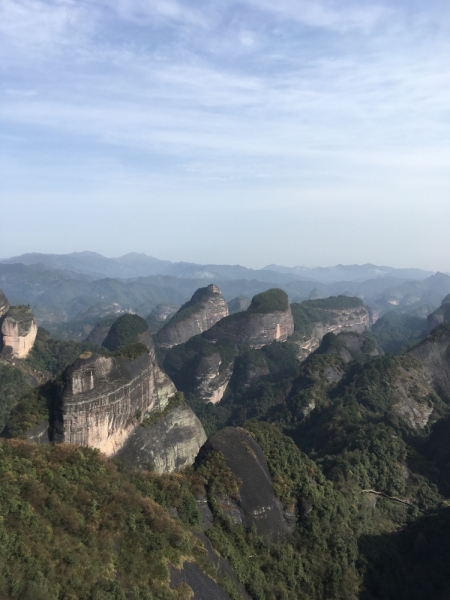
(210, 380)
(4, 304)
(268, 319)
(314, 319)
(168, 444)
(434, 354)
(257, 502)
(439, 316)
(104, 399)
(18, 329)
(204, 309)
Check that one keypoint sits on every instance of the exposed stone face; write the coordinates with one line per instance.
(169, 445)
(211, 383)
(434, 353)
(104, 399)
(18, 329)
(257, 502)
(356, 319)
(254, 329)
(439, 316)
(4, 304)
(348, 345)
(238, 304)
(204, 309)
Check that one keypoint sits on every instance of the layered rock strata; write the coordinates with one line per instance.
(204, 309)
(18, 329)
(356, 320)
(259, 325)
(104, 399)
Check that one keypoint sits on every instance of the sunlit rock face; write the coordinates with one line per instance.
(104, 399)
(4, 304)
(254, 329)
(357, 320)
(204, 309)
(18, 329)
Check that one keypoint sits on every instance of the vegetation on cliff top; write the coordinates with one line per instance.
(125, 330)
(307, 313)
(192, 306)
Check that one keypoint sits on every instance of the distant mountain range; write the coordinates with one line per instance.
(140, 265)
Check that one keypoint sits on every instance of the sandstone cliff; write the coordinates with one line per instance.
(104, 398)
(316, 318)
(203, 310)
(268, 319)
(434, 354)
(4, 304)
(168, 444)
(257, 502)
(18, 329)
(238, 304)
(210, 380)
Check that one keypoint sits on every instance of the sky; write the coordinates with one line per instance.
(296, 132)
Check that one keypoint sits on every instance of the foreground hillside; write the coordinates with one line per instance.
(322, 477)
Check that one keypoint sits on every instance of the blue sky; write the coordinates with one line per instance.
(296, 132)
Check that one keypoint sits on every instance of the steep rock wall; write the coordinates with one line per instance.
(211, 382)
(440, 315)
(104, 398)
(168, 445)
(257, 502)
(4, 304)
(357, 320)
(254, 329)
(18, 331)
(434, 354)
(204, 309)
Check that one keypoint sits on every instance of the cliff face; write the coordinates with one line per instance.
(203, 310)
(439, 316)
(268, 319)
(434, 353)
(104, 398)
(355, 320)
(170, 444)
(257, 502)
(4, 304)
(18, 329)
(210, 381)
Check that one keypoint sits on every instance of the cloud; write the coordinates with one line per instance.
(143, 12)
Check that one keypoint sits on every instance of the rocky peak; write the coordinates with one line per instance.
(268, 319)
(204, 309)
(18, 329)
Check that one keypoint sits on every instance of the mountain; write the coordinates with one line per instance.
(349, 272)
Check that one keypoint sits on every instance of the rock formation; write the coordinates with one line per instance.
(104, 400)
(439, 316)
(434, 352)
(268, 319)
(238, 304)
(18, 329)
(257, 502)
(169, 444)
(203, 310)
(4, 304)
(348, 345)
(316, 318)
(210, 381)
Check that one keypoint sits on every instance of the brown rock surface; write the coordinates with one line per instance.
(104, 399)
(203, 310)
(18, 330)
(268, 319)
